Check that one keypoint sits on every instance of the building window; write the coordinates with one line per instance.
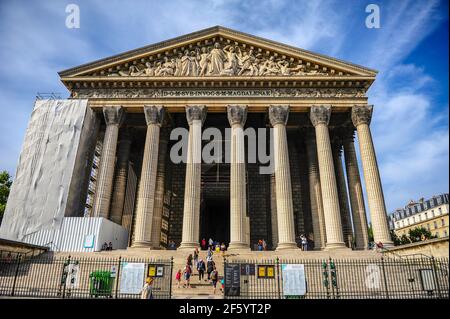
(443, 221)
(435, 225)
(437, 234)
(426, 215)
(432, 213)
(440, 210)
(428, 226)
(445, 233)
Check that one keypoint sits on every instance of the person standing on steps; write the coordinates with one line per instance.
(210, 242)
(187, 275)
(189, 260)
(223, 248)
(214, 278)
(209, 266)
(178, 278)
(201, 269)
(305, 243)
(203, 243)
(196, 257)
(209, 253)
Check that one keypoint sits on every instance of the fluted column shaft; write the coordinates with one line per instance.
(147, 183)
(315, 193)
(278, 115)
(361, 116)
(159, 191)
(237, 115)
(320, 116)
(356, 194)
(120, 180)
(273, 210)
(114, 115)
(192, 190)
(342, 193)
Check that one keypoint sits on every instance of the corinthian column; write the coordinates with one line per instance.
(342, 190)
(195, 115)
(154, 116)
(160, 188)
(278, 115)
(361, 116)
(355, 192)
(315, 193)
(114, 116)
(237, 115)
(120, 180)
(320, 117)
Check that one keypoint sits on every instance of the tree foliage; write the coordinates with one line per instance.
(419, 234)
(5, 186)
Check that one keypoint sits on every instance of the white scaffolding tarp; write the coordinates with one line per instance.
(46, 168)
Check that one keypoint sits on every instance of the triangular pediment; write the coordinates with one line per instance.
(217, 52)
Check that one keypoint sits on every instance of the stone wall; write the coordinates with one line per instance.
(434, 247)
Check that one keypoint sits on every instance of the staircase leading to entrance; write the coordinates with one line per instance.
(204, 289)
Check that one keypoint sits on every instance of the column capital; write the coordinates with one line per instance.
(320, 114)
(278, 114)
(114, 115)
(361, 114)
(154, 114)
(196, 112)
(237, 114)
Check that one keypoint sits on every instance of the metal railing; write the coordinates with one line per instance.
(82, 277)
(339, 279)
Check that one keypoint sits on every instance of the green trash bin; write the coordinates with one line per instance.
(101, 284)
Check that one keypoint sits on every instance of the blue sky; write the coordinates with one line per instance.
(410, 51)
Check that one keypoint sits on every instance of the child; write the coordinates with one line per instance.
(178, 277)
(222, 285)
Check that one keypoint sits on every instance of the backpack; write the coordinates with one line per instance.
(214, 275)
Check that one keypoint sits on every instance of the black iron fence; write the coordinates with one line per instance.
(382, 278)
(47, 276)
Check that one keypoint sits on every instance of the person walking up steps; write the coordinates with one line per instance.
(209, 266)
(196, 257)
(214, 278)
(178, 278)
(201, 269)
(210, 242)
(187, 276)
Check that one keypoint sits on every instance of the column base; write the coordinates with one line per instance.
(333, 246)
(188, 246)
(238, 246)
(284, 246)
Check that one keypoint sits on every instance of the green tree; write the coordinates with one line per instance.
(404, 240)
(419, 234)
(395, 238)
(5, 186)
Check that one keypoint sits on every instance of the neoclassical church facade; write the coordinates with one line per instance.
(313, 105)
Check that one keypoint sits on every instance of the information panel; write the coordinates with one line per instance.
(294, 281)
(232, 280)
(131, 278)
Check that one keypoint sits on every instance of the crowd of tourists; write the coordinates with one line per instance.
(195, 263)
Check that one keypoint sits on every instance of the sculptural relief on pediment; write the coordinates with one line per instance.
(217, 59)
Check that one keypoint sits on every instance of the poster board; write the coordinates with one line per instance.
(131, 278)
(294, 280)
(232, 280)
